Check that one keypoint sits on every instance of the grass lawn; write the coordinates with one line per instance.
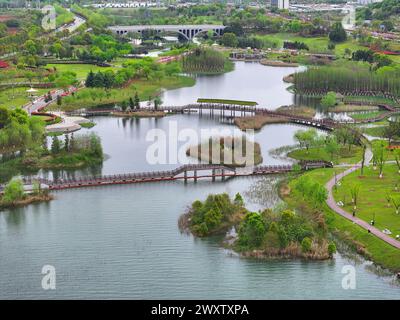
(365, 115)
(372, 196)
(376, 131)
(315, 44)
(81, 70)
(17, 97)
(93, 97)
(365, 243)
(389, 154)
(343, 156)
(371, 99)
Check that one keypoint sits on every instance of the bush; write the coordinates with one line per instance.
(13, 191)
(252, 230)
(306, 244)
(331, 249)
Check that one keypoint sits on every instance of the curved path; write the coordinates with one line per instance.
(333, 205)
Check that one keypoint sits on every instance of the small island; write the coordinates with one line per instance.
(279, 233)
(14, 194)
(229, 151)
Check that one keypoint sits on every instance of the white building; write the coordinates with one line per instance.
(280, 4)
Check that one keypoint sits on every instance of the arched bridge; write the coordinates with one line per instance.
(187, 31)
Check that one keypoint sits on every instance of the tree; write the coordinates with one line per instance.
(124, 106)
(213, 218)
(354, 191)
(238, 199)
(251, 230)
(396, 203)
(131, 103)
(332, 146)
(157, 102)
(331, 249)
(13, 191)
(137, 101)
(337, 34)
(55, 145)
(90, 79)
(306, 138)
(329, 100)
(66, 143)
(392, 130)
(229, 39)
(379, 153)
(4, 116)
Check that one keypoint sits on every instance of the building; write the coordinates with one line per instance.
(280, 4)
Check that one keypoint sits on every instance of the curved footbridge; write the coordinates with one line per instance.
(234, 111)
(186, 172)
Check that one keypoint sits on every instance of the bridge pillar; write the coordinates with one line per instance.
(213, 174)
(195, 175)
(222, 174)
(185, 176)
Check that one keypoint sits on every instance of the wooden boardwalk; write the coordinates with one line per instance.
(185, 172)
(232, 111)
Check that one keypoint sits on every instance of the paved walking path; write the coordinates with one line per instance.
(333, 205)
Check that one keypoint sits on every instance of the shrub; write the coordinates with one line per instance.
(306, 244)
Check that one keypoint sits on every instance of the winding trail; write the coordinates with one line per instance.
(363, 224)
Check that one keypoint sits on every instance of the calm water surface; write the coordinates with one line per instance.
(249, 81)
(124, 242)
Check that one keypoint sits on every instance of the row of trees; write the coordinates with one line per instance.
(379, 60)
(89, 144)
(204, 60)
(332, 144)
(341, 79)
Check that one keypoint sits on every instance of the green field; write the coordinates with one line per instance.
(372, 196)
(315, 44)
(81, 70)
(365, 115)
(17, 97)
(343, 156)
(358, 238)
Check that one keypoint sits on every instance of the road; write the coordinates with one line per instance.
(335, 207)
(40, 102)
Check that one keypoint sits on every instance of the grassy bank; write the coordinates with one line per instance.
(359, 239)
(344, 155)
(81, 70)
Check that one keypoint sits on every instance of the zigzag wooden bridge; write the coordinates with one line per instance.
(185, 172)
(232, 111)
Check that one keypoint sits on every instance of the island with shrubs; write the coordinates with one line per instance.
(279, 233)
(229, 151)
